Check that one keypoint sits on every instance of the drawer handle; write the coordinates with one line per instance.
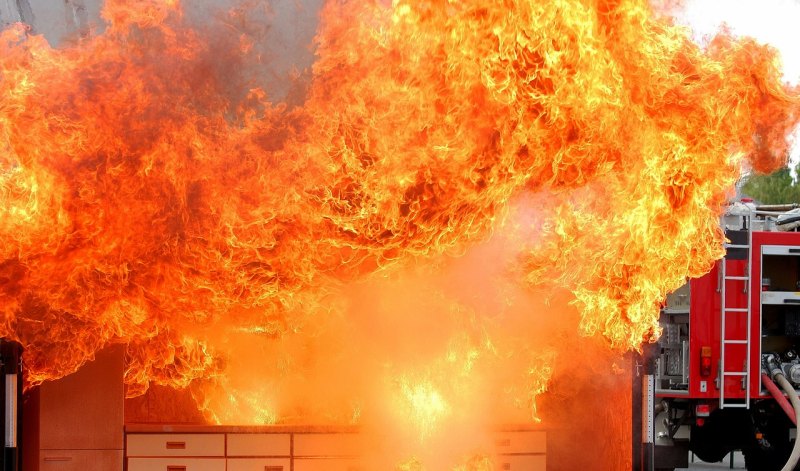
(58, 458)
(273, 468)
(503, 442)
(176, 445)
(176, 468)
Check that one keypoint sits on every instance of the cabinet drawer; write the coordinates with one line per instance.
(259, 464)
(328, 444)
(520, 442)
(329, 464)
(174, 444)
(521, 463)
(176, 464)
(258, 444)
(80, 460)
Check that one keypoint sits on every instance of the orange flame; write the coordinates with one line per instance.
(152, 195)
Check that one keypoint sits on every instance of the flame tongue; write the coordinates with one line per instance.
(152, 197)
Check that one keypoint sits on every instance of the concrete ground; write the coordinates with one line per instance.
(738, 463)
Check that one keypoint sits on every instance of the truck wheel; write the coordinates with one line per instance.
(769, 450)
(723, 431)
(769, 454)
(708, 442)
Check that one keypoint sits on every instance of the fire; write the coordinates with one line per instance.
(531, 166)
(425, 404)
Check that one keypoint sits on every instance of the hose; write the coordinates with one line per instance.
(779, 397)
(777, 207)
(795, 456)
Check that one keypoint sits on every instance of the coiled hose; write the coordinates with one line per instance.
(795, 456)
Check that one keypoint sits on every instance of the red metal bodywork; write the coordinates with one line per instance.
(705, 323)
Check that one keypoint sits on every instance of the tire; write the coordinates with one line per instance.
(708, 442)
(762, 434)
(773, 450)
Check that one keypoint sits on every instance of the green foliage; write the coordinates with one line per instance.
(776, 188)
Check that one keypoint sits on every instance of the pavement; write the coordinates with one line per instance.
(738, 463)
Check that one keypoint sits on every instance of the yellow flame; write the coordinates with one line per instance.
(424, 404)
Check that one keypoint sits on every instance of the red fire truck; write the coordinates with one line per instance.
(730, 339)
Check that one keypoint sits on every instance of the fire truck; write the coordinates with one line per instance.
(727, 369)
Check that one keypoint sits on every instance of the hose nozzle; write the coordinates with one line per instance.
(771, 365)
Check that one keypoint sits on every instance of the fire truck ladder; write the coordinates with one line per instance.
(726, 310)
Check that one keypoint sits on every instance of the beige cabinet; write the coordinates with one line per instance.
(522, 450)
(209, 451)
(176, 444)
(259, 444)
(328, 452)
(328, 464)
(176, 451)
(288, 448)
(521, 463)
(327, 444)
(176, 464)
(522, 442)
(259, 464)
(79, 460)
(76, 423)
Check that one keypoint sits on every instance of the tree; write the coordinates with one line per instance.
(778, 187)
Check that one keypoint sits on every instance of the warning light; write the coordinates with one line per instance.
(705, 361)
(702, 410)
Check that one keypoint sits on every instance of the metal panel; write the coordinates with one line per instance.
(780, 250)
(11, 411)
(704, 329)
(780, 297)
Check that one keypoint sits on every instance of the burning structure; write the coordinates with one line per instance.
(449, 206)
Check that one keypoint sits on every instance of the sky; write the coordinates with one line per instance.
(771, 21)
(774, 22)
